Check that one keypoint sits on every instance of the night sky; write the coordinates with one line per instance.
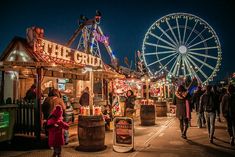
(124, 21)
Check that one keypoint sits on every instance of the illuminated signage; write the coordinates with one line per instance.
(57, 51)
(4, 119)
(101, 38)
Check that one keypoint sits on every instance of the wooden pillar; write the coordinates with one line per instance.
(2, 87)
(102, 86)
(91, 78)
(168, 91)
(38, 104)
(165, 90)
(147, 87)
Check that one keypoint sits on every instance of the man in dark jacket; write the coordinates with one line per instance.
(217, 102)
(196, 100)
(207, 105)
(228, 110)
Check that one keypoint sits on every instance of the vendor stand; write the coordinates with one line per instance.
(48, 65)
(120, 88)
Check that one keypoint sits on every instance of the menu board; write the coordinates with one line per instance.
(123, 134)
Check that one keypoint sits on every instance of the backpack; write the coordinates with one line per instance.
(210, 105)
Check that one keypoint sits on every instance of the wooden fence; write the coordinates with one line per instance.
(25, 118)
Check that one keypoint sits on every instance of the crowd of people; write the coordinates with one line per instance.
(58, 114)
(208, 103)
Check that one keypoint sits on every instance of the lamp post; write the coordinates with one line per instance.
(146, 79)
(147, 110)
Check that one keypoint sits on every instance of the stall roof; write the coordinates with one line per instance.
(20, 53)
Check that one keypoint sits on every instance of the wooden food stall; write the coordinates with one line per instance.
(47, 64)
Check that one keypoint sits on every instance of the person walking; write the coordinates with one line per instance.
(217, 102)
(222, 93)
(182, 109)
(207, 105)
(228, 111)
(56, 128)
(196, 100)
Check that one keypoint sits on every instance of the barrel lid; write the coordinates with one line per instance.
(90, 121)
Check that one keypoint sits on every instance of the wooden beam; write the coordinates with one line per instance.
(38, 105)
(2, 87)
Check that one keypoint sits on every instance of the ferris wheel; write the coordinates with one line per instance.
(182, 45)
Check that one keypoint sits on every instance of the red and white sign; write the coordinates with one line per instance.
(123, 139)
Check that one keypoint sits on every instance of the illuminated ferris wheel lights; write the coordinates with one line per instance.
(192, 46)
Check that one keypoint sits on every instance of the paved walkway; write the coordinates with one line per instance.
(161, 140)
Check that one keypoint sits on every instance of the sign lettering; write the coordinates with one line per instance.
(55, 50)
(101, 38)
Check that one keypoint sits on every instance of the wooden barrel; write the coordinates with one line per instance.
(161, 109)
(147, 115)
(169, 104)
(91, 133)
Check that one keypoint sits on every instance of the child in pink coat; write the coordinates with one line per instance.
(56, 128)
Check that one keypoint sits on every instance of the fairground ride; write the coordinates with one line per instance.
(91, 35)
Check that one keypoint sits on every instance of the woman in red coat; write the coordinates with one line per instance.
(56, 128)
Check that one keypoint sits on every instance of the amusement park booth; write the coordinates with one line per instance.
(49, 65)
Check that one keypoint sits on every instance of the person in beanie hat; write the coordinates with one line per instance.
(56, 128)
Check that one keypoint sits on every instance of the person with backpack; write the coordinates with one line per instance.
(207, 105)
(228, 111)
